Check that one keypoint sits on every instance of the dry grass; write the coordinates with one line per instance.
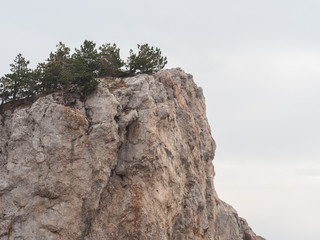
(74, 117)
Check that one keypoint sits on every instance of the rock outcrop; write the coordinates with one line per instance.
(132, 161)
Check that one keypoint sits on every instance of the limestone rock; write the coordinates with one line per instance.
(232, 227)
(131, 162)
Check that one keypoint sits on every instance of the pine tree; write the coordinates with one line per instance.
(80, 68)
(148, 60)
(57, 71)
(19, 78)
(110, 61)
(62, 54)
(87, 56)
(4, 94)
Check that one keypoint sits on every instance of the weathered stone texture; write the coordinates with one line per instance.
(133, 161)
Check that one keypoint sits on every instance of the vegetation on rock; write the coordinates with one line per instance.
(81, 68)
(147, 60)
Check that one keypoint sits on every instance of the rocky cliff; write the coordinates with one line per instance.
(131, 161)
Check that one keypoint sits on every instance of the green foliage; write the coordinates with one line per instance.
(148, 60)
(82, 77)
(87, 56)
(87, 80)
(55, 72)
(55, 75)
(110, 61)
(81, 68)
(62, 54)
(4, 93)
(19, 80)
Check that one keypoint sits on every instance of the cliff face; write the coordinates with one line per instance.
(132, 161)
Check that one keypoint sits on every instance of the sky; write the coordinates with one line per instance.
(258, 62)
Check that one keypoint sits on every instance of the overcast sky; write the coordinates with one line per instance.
(258, 62)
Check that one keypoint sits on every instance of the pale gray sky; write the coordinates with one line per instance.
(259, 65)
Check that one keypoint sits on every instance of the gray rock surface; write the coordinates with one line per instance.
(132, 161)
